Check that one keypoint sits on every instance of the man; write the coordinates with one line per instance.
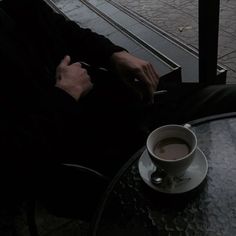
(43, 81)
(55, 110)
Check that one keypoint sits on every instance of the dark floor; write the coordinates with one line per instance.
(179, 18)
(14, 222)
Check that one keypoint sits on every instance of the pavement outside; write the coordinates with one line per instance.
(180, 19)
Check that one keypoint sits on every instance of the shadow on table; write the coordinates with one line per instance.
(172, 201)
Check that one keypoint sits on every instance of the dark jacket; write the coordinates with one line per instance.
(33, 41)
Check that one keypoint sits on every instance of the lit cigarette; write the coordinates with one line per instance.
(160, 92)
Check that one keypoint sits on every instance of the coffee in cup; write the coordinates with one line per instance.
(172, 148)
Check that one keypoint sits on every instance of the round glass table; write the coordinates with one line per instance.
(131, 207)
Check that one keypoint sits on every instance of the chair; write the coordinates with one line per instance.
(73, 192)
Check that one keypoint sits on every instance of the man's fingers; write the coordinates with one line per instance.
(145, 86)
(154, 75)
(151, 77)
(65, 61)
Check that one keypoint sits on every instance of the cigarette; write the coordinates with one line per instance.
(160, 92)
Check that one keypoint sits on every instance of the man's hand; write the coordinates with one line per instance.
(73, 78)
(137, 73)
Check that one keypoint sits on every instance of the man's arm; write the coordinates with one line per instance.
(36, 119)
(97, 50)
(83, 43)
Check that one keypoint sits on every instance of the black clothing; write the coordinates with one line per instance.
(33, 42)
(42, 125)
(38, 119)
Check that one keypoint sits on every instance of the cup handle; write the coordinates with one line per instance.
(188, 126)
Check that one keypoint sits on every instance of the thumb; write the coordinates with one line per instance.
(65, 61)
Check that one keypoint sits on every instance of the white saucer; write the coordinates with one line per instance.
(192, 178)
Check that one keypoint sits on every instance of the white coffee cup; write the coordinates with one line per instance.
(172, 148)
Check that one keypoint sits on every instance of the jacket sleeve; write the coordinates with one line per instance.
(94, 48)
(81, 43)
(33, 119)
